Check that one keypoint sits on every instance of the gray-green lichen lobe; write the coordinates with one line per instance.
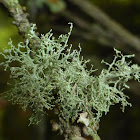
(54, 75)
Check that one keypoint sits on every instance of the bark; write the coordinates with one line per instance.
(23, 25)
(20, 18)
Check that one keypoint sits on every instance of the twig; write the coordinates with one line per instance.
(113, 27)
(20, 18)
(95, 32)
(24, 26)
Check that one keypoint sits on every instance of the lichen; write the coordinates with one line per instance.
(55, 75)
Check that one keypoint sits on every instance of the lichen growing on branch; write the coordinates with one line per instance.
(54, 74)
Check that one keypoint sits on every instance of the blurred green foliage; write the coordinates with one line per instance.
(7, 30)
(56, 5)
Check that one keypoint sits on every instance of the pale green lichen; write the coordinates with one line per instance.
(54, 74)
(13, 2)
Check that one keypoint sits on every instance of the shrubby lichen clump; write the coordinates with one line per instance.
(54, 74)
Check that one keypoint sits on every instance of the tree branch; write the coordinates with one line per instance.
(20, 18)
(23, 25)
